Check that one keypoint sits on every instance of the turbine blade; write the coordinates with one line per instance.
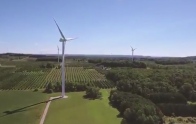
(71, 38)
(59, 29)
(135, 49)
(131, 47)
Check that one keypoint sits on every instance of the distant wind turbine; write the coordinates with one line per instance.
(132, 52)
(63, 40)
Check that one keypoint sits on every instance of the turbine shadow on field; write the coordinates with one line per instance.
(9, 112)
(87, 97)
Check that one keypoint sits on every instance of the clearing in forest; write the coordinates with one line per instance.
(77, 110)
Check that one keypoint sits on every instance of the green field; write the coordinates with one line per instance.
(21, 107)
(76, 74)
(77, 110)
(32, 77)
(26, 107)
(13, 79)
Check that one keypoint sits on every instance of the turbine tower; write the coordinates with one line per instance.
(132, 52)
(63, 40)
(58, 53)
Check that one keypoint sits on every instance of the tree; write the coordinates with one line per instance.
(49, 88)
(186, 89)
(93, 93)
(135, 109)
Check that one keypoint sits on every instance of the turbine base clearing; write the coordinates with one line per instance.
(64, 97)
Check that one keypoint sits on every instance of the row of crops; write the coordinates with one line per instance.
(80, 75)
(12, 79)
(76, 74)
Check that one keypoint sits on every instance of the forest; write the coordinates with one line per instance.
(172, 92)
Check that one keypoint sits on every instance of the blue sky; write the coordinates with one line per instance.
(154, 27)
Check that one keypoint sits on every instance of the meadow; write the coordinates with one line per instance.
(21, 107)
(76, 110)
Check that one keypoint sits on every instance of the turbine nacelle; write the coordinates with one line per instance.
(67, 39)
(132, 49)
(62, 40)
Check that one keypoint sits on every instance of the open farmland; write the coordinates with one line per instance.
(29, 75)
(80, 75)
(96, 111)
(10, 79)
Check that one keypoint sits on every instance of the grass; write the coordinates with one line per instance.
(77, 110)
(21, 107)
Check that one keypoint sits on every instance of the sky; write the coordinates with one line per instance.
(154, 27)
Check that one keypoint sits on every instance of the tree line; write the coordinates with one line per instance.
(91, 92)
(172, 61)
(123, 63)
(70, 87)
(135, 109)
(170, 90)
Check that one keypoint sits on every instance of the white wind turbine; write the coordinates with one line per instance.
(63, 40)
(58, 53)
(132, 52)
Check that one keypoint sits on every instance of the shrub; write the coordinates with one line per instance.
(171, 121)
(49, 88)
(69, 87)
(50, 91)
(93, 93)
(180, 119)
(35, 90)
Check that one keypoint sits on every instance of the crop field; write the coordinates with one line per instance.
(80, 75)
(30, 76)
(10, 79)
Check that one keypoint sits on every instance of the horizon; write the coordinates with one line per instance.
(155, 28)
(101, 55)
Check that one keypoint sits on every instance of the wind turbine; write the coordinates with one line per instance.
(58, 53)
(63, 40)
(132, 52)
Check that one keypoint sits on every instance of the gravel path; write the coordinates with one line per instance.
(46, 109)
